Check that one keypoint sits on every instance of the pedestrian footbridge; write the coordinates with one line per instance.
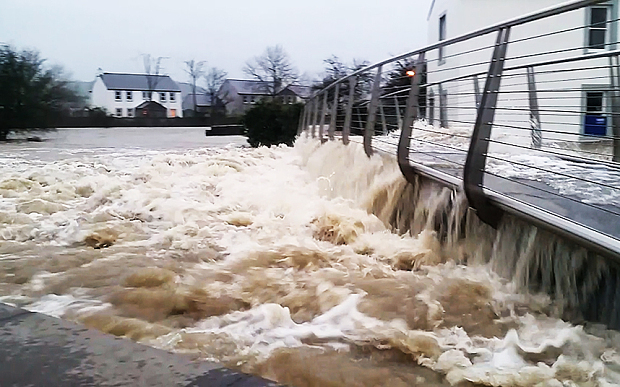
(523, 119)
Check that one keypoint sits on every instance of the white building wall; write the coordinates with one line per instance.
(465, 16)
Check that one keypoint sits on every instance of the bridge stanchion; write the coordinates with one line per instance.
(302, 120)
(534, 111)
(431, 107)
(322, 119)
(383, 122)
(334, 112)
(614, 67)
(477, 91)
(315, 108)
(399, 118)
(372, 113)
(473, 174)
(346, 129)
(411, 114)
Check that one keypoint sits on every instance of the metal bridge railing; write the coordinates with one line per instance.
(512, 113)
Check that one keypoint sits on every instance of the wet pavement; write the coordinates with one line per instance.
(39, 350)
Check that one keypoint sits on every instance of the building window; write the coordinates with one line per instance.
(118, 96)
(129, 112)
(129, 95)
(246, 99)
(442, 36)
(173, 112)
(173, 97)
(119, 112)
(253, 99)
(597, 30)
(162, 97)
(595, 122)
(145, 95)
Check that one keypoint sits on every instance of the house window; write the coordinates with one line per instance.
(145, 95)
(162, 97)
(129, 112)
(129, 95)
(597, 30)
(173, 112)
(595, 121)
(119, 112)
(118, 96)
(173, 97)
(253, 99)
(442, 36)
(246, 99)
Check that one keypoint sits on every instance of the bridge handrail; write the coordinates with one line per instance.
(370, 106)
(533, 16)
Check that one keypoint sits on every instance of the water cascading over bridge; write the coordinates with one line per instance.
(510, 139)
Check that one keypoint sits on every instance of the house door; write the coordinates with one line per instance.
(595, 122)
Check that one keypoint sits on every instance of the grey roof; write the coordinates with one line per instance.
(201, 100)
(116, 81)
(248, 86)
(186, 88)
(300, 91)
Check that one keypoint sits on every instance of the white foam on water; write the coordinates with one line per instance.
(251, 214)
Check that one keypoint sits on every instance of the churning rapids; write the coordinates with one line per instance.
(279, 262)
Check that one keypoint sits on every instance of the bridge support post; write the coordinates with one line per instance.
(614, 67)
(332, 121)
(411, 114)
(399, 119)
(372, 113)
(443, 112)
(302, 120)
(322, 120)
(534, 111)
(431, 107)
(473, 175)
(346, 129)
(383, 122)
(315, 107)
(477, 91)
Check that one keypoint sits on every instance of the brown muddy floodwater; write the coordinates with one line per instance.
(269, 261)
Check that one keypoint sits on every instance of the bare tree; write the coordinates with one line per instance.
(214, 79)
(152, 66)
(273, 68)
(195, 70)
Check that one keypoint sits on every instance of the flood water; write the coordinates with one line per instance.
(270, 261)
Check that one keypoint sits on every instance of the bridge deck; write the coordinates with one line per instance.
(577, 203)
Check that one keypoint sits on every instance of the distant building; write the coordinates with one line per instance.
(239, 95)
(203, 104)
(121, 94)
(295, 93)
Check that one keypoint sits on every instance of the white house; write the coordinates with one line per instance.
(121, 94)
(585, 31)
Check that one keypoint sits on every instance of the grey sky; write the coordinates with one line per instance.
(83, 35)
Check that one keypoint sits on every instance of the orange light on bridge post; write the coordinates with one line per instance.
(410, 73)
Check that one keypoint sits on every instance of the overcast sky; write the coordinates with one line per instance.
(84, 35)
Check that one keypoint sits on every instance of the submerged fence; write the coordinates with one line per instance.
(524, 116)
